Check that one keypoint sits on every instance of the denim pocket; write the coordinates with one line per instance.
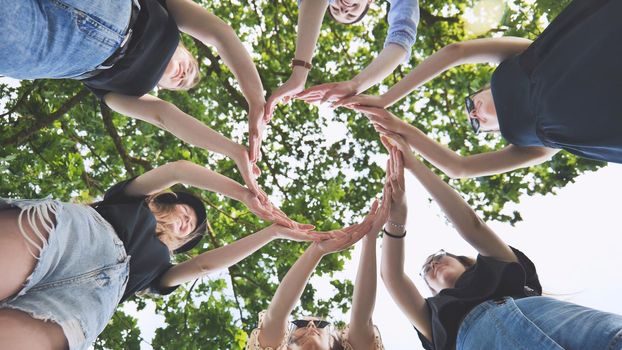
(92, 28)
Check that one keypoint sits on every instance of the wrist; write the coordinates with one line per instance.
(397, 217)
(256, 102)
(299, 75)
(271, 232)
(356, 84)
(315, 252)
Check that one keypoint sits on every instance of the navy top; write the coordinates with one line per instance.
(564, 90)
(135, 225)
(154, 40)
(488, 279)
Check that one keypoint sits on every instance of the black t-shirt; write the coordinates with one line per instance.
(488, 279)
(154, 40)
(135, 225)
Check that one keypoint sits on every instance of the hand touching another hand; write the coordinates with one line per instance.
(361, 100)
(384, 121)
(297, 234)
(329, 92)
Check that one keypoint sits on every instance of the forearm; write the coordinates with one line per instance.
(198, 176)
(195, 132)
(216, 259)
(167, 116)
(448, 161)
(365, 285)
(437, 63)
(392, 260)
(196, 21)
(291, 287)
(489, 50)
(310, 16)
(453, 205)
(240, 63)
(385, 63)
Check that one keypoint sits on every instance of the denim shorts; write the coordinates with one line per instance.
(59, 38)
(81, 273)
(541, 323)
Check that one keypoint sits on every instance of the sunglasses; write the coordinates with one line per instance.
(470, 106)
(305, 323)
(436, 257)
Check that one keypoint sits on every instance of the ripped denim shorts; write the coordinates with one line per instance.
(81, 273)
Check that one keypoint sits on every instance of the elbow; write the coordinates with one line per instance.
(454, 49)
(179, 169)
(457, 170)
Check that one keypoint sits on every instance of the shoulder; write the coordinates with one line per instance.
(343, 338)
(253, 340)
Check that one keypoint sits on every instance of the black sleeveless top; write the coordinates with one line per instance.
(135, 225)
(564, 90)
(154, 40)
(488, 279)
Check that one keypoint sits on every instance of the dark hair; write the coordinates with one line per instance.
(466, 261)
(358, 19)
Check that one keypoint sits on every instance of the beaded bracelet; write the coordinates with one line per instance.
(396, 225)
(392, 235)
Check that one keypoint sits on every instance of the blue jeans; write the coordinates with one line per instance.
(539, 323)
(81, 272)
(59, 38)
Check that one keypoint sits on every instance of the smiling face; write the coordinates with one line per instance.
(182, 71)
(484, 111)
(310, 337)
(183, 221)
(443, 272)
(348, 11)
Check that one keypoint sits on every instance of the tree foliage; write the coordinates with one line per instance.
(56, 139)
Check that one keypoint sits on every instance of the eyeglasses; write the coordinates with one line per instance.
(305, 323)
(470, 106)
(428, 263)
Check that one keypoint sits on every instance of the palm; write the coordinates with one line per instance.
(327, 92)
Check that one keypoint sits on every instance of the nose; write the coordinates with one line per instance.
(311, 324)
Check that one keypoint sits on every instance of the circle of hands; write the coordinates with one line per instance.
(339, 94)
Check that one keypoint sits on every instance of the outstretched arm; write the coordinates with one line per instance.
(468, 224)
(196, 21)
(400, 286)
(289, 291)
(310, 16)
(454, 165)
(388, 59)
(490, 50)
(167, 116)
(287, 295)
(361, 329)
(224, 257)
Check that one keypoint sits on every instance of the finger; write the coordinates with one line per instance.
(331, 95)
(347, 101)
(305, 227)
(254, 147)
(312, 100)
(308, 94)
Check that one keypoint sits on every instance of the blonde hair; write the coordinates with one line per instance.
(164, 214)
(197, 76)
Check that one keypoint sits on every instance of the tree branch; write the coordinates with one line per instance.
(40, 123)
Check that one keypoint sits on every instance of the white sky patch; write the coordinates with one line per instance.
(483, 16)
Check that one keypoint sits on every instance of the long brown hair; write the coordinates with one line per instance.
(163, 213)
